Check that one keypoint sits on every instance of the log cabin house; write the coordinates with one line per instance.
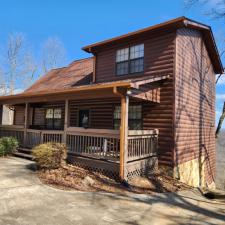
(143, 99)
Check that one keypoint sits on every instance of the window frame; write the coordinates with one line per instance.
(53, 118)
(130, 60)
(78, 117)
(140, 120)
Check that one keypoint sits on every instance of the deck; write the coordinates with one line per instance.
(97, 149)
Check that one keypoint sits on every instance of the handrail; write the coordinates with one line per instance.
(93, 132)
(12, 127)
(143, 132)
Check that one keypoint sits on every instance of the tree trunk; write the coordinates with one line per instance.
(220, 121)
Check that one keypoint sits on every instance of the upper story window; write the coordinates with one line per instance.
(130, 60)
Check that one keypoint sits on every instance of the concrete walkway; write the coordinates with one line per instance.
(25, 201)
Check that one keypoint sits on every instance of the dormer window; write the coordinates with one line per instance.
(130, 60)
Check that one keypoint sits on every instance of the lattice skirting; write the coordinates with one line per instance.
(133, 169)
(109, 169)
(141, 167)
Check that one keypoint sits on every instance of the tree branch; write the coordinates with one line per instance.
(219, 126)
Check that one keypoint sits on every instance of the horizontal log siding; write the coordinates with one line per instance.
(158, 58)
(40, 109)
(19, 112)
(39, 112)
(195, 102)
(101, 112)
(155, 115)
(19, 115)
(160, 116)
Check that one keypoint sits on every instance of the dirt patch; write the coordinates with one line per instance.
(73, 177)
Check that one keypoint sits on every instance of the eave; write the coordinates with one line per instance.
(80, 92)
(169, 25)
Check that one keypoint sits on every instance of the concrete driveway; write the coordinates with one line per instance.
(25, 201)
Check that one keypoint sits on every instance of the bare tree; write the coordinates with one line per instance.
(17, 66)
(53, 54)
(216, 12)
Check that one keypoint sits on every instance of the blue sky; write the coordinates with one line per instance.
(78, 23)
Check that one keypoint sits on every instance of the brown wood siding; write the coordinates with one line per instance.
(195, 101)
(101, 112)
(160, 116)
(158, 57)
(39, 112)
(158, 60)
(155, 116)
(19, 112)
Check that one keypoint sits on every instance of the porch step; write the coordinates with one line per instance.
(23, 155)
(24, 150)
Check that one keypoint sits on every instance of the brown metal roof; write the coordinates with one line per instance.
(77, 73)
(171, 24)
(128, 83)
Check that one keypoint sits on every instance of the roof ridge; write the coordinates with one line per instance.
(83, 59)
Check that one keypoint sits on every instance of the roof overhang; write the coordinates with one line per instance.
(81, 92)
(169, 25)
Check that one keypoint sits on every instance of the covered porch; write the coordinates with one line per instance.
(100, 124)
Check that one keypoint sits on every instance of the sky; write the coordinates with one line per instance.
(81, 22)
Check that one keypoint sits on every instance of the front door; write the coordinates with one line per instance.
(84, 118)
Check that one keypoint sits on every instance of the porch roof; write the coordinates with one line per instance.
(83, 91)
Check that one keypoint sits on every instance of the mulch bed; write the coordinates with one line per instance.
(73, 177)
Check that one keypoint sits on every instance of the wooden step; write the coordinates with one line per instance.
(24, 150)
(23, 155)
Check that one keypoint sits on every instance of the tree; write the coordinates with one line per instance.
(217, 12)
(53, 54)
(17, 67)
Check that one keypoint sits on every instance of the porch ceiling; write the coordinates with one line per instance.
(142, 88)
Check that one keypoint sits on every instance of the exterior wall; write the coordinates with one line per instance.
(158, 57)
(7, 116)
(158, 60)
(194, 109)
(38, 117)
(101, 112)
(19, 112)
(155, 116)
(160, 116)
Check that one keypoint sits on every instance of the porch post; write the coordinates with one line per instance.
(123, 135)
(25, 123)
(66, 119)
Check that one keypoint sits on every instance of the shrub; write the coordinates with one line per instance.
(50, 155)
(8, 145)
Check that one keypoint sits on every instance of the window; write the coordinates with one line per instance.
(130, 60)
(84, 116)
(134, 117)
(53, 118)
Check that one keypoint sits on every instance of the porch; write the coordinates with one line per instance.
(97, 149)
(106, 134)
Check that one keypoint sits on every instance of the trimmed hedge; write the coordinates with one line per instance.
(50, 155)
(8, 145)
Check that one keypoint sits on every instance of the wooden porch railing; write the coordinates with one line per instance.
(13, 131)
(36, 137)
(142, 144)
(97, 143)
(103, 144)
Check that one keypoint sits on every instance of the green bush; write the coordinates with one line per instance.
(50, 155)
(8, 145)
